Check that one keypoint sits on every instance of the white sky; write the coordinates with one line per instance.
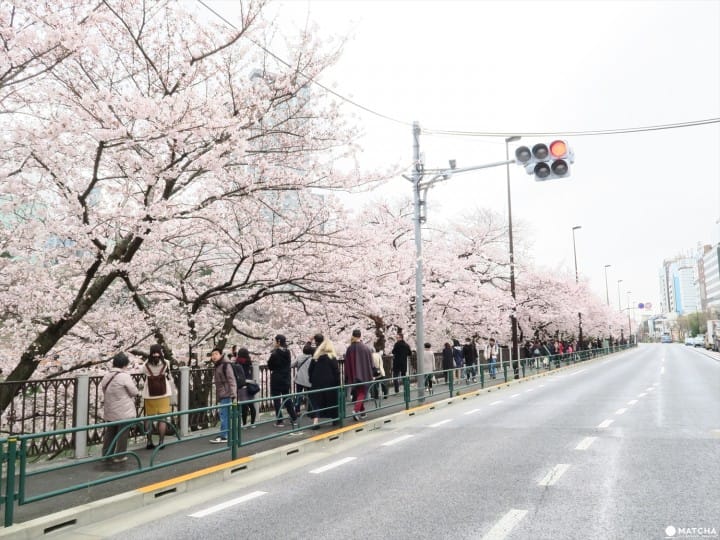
(536, 66)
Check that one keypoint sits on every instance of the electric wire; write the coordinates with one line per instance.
(487, 134)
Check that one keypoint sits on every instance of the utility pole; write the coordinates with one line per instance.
(419, 316)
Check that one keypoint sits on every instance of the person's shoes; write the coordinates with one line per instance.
(363, 415)
(253, 426)
(218, 440)
(149, 446)
(294, 424)
(356, 417)
(120, 459)
(280, 424)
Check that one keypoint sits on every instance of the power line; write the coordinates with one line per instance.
(488, 134)
(571, 133)
(329, 90)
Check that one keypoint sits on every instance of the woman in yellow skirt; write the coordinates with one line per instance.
(156, 392)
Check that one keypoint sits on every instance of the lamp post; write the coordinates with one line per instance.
(607, 296)
(580, 334)
(515, 351)
(619, 281)
(628, 310)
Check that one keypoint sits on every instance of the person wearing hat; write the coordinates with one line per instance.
(358, 369)
(119, 392)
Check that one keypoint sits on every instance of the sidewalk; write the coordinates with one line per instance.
(262, 438)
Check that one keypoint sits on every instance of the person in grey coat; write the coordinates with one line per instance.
(119, 391)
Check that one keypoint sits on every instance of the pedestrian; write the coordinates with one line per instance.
(401, 352)
(358, 370)
(119, 393)
(156, 393)
(324, 373)
(225, 392)
(243, 359)
(279, 366)
(428, 360)
(491, 356)
(378, 376)
(302, 378)
(471, 357)
(459, 360)
(447, 360)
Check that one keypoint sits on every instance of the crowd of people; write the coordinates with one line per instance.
(317, 376)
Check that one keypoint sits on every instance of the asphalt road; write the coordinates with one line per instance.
(622, 448)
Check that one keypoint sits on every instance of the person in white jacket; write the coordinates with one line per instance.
(119, 392)
(492, 352)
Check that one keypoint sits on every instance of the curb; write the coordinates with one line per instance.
(110, 507)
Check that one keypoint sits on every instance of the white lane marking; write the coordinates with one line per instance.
(650, 389)
(228, 504)
(472, 411)
(656, 384)
(542, 386)
(585, 443)
(395, 441)
(514, 395)
(441, 422)
(643, 394)
(632, 402)
(554, 475)
(506, 524)
(605, 423)
(496, 403)
(662, 370)
(530, 390)
(620, 411)
(332, 465)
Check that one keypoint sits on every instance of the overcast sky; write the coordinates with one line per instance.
(522, 67)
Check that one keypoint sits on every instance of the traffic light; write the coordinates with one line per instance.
(546, 161)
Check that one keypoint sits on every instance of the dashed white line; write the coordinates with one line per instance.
(605, 423)
(473, 411)
(650, 389)
(514, 395)
(554, 475)
(496, 403)
(228, 504)
(441, 422)
(620, 411)
(643, 394)
(542, 386)
(585, 443)
(506, 524)
(397, 440)
(332, 465)
(632, 402)
(662, 370)
(530, 390)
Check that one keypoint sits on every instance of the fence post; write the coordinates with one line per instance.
(449, 374)
(184, 400)
(406, 391)
(82, 401)
(10, 485)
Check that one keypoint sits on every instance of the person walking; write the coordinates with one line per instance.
(447, 360)
(428, 367)
(459, 360)
(279, 366)
(358, 369)
(302, 378)
(119, 393)
(378, 376)
(243, 359)
(492, 352)
(400, 352)
(324, 374)
(156, 393)
(226, 392)
(471, 357)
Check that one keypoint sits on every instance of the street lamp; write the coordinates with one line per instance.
(580, 336)
(515, 351)
(607, 296)
(619, 281)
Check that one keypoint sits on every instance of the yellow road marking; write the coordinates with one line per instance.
(195, 474)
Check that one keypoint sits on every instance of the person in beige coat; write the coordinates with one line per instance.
(119, 391)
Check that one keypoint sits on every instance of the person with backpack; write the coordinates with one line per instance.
(119, 392)
(244, 361)
(279, 366)
(156, 393)
(302, 377)
(225, 391)
(471, 357)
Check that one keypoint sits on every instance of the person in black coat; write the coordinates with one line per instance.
(324, 374)
(279, 366)
(401, 352)
(447, 359)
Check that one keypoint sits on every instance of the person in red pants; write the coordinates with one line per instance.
(358, 369)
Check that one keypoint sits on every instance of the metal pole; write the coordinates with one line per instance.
(81, 415)
(618, 284)
(419, 325)
(515, 350)
(607, 295)
(580, 334)
(575, 252)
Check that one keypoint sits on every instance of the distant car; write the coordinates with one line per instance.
(700, 340)
(666, 338)
(690, 341)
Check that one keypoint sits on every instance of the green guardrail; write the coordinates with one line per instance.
(14, 454)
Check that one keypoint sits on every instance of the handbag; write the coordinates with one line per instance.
(252, 388)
